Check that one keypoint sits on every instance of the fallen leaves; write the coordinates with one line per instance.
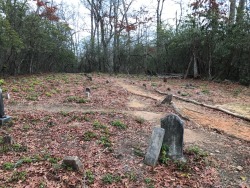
(61, 128)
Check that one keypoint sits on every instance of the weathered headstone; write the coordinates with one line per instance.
(73, 162)
(154, 148)
(168, 99)
(173, 138)
(87, 91)
(8, 140)
(3, 117)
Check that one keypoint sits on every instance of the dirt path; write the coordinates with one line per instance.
(201, 115)
(216, 120)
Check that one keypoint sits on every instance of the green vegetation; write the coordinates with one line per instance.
(105, 141)
(98, 125)
(89, 177)
(131, 176)
(154, 84)
(236, 92)
(48, 94)
(8, 166)
(118, 124)
(71, 99)
(76, 99)
(195, 150)
(149, 182)
(89, 135)
(18, 176)
(33, 97)
(14, 147)
(1, 82)
(184, 94)
(15, 89)
(26, 127)
(205, 91)
(138, 152)
(42, 185)
(163, 154)
(64, 113)
(109, 178)
(182, 166)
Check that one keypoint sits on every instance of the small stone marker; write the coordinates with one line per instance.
(8, 140)
(87, 91)
(3, 117)
(173, 138)
(154, 148)
(168, 99)
(73, 162)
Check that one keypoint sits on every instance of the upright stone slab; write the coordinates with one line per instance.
(173, 138)
(2, 114)
(168, 99)
(3, 117)
(154, 147)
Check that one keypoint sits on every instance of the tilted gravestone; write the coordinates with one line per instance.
(154, 148)
(168, 99)
(3, 117)
(173, 138)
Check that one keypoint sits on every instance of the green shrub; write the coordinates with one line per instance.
(118, 124)
(18, 176)
(109, 178)
(98, 125)
(164, 154)
(89, 135)
(8, 166)
(89, 177)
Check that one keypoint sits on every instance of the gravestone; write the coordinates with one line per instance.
(3, 117)
(154, 148)
(73, 162)
(87, 91)
(173, 138)
(168, 99)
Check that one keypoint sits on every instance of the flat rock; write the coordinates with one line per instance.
(239, 168)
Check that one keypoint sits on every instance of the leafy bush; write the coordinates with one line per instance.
(118, 124)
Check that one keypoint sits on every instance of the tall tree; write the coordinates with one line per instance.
(232, 11)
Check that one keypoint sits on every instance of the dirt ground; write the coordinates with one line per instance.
(209, 130)
(225, 138)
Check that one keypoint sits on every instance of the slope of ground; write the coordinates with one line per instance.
(110, 131)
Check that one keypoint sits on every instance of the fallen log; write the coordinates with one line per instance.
(206, 105)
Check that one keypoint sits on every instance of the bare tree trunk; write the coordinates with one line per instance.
(31, 64)
(159, 13)
(92, 38)
(116, 37)
(195, 66)
(128, 44)
(160, 4)
(189, 65)
(240, 11)
(232, 11)
(104, 44)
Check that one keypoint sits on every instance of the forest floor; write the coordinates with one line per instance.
(110, 131)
